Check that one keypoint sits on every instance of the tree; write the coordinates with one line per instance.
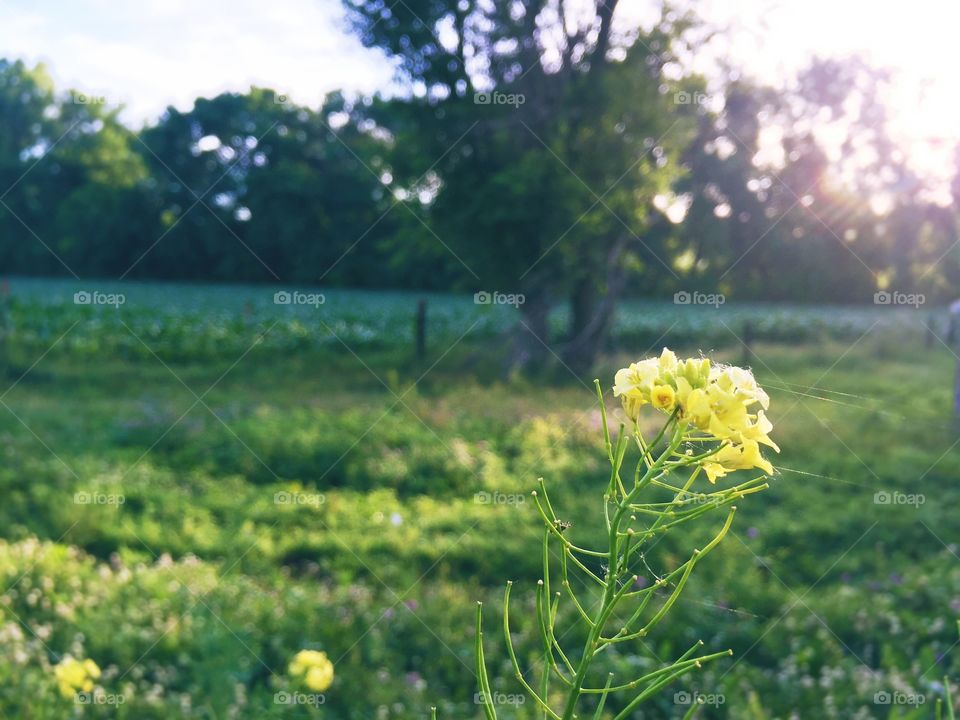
(798, 224)
(257, 188)
(74, 186)
(541, 184)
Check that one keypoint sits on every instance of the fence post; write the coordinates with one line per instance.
(956, 396)
(420, 330)
(952, 343)
(4, 327)
(747, 343)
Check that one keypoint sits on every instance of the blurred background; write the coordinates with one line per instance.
(299, 299)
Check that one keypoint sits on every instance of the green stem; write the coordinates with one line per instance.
(489, 710)
(611, 593)
(513, 656)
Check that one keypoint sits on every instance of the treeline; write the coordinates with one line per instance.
(575, 169)
(250, 187)
(243, 187)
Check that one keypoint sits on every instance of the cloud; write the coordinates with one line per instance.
(155, 53)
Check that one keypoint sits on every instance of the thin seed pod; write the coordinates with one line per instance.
(545, 686)
(948, 699)
(569, 589)
(603, 698)
(546, 634)
(685, 569)
(556, 644)
(657, 674)
(697, 556)
(552, 526)
(603, 417)
(615, 482)
(489, 710)
(625, 713)
(513, 655)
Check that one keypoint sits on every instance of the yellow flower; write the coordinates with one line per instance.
(75, 676)
(636, 377)
(313, 668)
(632, 405)
(635, 385)
(319, 678)
(741, 383)
(722, 402)
(667, 361)
(736, 457)
(695, 407)
(663, 397)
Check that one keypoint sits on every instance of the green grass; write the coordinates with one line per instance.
(195, 592)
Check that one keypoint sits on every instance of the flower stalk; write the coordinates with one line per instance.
(711, 428)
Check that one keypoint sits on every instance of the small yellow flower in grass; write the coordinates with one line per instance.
(313, 668)
(75, 676)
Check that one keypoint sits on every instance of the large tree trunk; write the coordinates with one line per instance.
(531, 339)
(592, 306)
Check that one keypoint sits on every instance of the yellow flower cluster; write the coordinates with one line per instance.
(75, 676)
(313, 668)
(718, 400)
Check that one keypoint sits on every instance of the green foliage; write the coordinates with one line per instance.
(201, 323)
(560, 197)
(107, 581)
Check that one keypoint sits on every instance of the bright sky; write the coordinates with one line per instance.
(917, 41)
(151, 53)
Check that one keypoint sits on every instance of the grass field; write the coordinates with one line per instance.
(199, 322)
(190, 505)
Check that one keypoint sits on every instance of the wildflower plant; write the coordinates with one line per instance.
(74, 676)
(313, 669)
(714, 423)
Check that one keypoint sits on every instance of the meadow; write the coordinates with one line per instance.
(198, 483)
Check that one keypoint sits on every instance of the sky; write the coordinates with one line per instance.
(149, 54)
(915, 41)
